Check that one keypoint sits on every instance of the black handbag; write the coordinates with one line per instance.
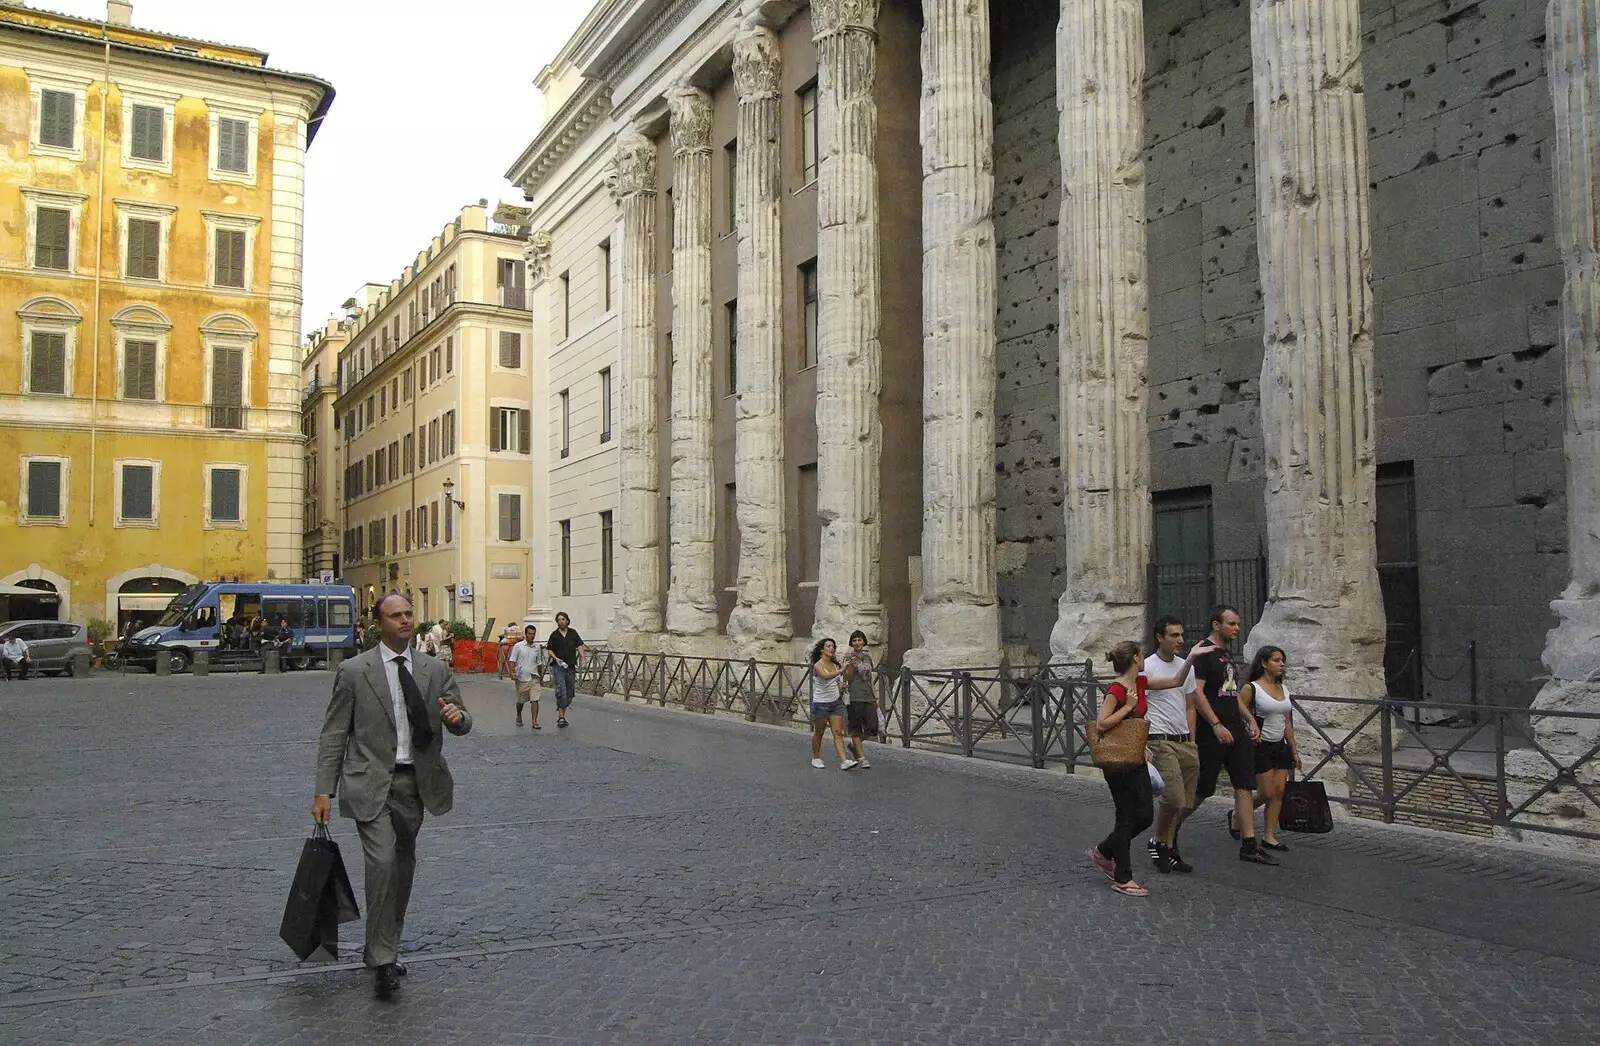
(1305, 808)
(320, 898)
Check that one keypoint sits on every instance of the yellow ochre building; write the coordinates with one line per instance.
(150, 290)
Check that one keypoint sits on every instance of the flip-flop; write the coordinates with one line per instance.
(1132, 889)
(536, 726)
(1106, 868)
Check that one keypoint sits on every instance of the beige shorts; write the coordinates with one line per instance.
(1179, 765)
(527, 691)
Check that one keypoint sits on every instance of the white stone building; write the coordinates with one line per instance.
(957, 322)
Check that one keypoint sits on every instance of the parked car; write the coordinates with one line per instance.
(54, 646)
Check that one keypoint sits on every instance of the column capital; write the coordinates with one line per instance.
(537, 253)
(691, 111)
(834, 17)
(633, 170)
(757, 63)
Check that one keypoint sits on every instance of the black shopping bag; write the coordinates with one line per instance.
(1305, 808)
(319, 899)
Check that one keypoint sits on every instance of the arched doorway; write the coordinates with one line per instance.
(141, 600)
(33, 599)
(43, 580)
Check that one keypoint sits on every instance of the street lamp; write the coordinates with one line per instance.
(449, 489)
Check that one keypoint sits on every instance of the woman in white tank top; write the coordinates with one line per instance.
(1276, 753)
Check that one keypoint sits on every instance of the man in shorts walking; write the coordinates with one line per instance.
(525, 663)
(861, 712)
(1228, 737)
(1171, 716)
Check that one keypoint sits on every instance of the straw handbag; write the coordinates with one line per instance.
(1121, 747)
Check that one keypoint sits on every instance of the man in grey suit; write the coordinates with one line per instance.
(383, 738)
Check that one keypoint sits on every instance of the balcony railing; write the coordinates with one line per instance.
(513, 298)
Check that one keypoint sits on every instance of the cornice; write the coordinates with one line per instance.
(556, 140)
(722, 21)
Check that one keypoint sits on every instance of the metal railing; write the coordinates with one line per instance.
(1473, 768)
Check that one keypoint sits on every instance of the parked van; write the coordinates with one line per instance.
(322, 618)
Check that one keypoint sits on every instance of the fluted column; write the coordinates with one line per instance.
(958, 617)
(691, 590)
(1324, 605)
(762, 610)
(1572, 650)
(1105, 327)
(849, 354)
(633, 185)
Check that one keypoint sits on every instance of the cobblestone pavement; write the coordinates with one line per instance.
(656, 876)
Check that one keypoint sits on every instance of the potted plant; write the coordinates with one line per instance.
(102, 639)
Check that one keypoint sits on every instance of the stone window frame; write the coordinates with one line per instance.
(564, 538)
(64, 492)
(150, 212)
(523, 351)
(808, 177)
(218, 221)
(141, 323)
(608, 383)
(216, 112)
(49, 315)
(801, 300)
(51, 199)
(120, 521)
(232, 331)
(167, 103)
(243, 522)
(78, 86)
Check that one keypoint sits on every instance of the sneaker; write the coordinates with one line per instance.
(1179, 865)
(519, 720)
(1163, 858)
(848, 764)
(1250, 853)
(817, 764)
(1153, 847)
(865, 764)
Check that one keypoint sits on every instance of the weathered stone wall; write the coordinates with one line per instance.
(1465, 274)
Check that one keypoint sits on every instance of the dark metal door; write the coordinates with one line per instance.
(1398, 581)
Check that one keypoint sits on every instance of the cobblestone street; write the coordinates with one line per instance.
(655, 876)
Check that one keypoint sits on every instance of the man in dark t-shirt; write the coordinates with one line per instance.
(1226, 735)
(566, 651)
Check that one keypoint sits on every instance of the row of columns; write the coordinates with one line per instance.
(1317, 395)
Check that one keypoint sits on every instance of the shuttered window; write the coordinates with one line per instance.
(229, 268)
(148, 136)
(449, 520)
(47, 366)
(52, 229)
(44, 490)
(139, 370)
(227, 388)
(57, 111)
(144, 249)
(138, 492)
(225, 495)
(510, 517)
(510, 349)
(233, 145)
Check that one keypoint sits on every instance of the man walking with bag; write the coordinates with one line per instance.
(382, 749)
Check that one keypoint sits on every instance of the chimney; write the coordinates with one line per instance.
(119, 12)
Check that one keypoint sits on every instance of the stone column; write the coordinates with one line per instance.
(1105, 327)
(691, 590)
(1324, 605)
(633, 186)
(849, 355)
(540, 612)
(958, 616)
(1572, 650)
(762, 610)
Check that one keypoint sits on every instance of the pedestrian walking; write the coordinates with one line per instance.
(1125, 698)
(566, 654)
(861, 700)
(382, 747)
(1172, 747)
(827, 705)
(1229, 736)
(1276, 752)
(525, 663)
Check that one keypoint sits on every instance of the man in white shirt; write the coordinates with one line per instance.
(14, 652)
(525, 663)
(1171, 715)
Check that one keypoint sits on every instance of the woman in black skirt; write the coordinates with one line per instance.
(1276, 753)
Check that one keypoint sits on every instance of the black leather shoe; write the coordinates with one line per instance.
(400, 968)
(386, 979)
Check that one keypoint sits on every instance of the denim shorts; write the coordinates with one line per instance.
(828, 710)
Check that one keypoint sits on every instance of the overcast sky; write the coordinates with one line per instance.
(434, 102)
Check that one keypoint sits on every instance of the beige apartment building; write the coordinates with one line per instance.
(319, 368)
(435, 430)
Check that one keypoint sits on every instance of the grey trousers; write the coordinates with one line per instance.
(389, 844)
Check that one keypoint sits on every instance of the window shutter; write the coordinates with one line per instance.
(57, 112)
(230, 258)
(497, 424)
(225, 495)
(525, 429)
(227, 388)
(44, 489)
(149, 132)
(510, 349)
(139, 370)
(138, 501)
(144, 249)
(52, 228)
(233, 145)
(49, 363)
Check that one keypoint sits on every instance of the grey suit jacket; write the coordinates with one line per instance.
(355, 753)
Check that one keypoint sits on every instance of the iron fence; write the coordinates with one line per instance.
(1473, 768)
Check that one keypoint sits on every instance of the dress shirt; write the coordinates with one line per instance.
(524, 659)
(397, 700)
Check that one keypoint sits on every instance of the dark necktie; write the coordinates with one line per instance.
(416, 711)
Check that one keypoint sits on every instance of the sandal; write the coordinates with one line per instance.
(1231, 829)
(1132, 889)
(1103, 863)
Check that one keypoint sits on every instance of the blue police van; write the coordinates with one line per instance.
(215, 615)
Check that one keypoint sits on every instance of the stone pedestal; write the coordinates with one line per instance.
(202, 663)
(633, 186)
(1324, 607)
(1105, 327)
(849, 354)
(1572, 649)
(761, 613)
(958, 620)
(691, 590)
